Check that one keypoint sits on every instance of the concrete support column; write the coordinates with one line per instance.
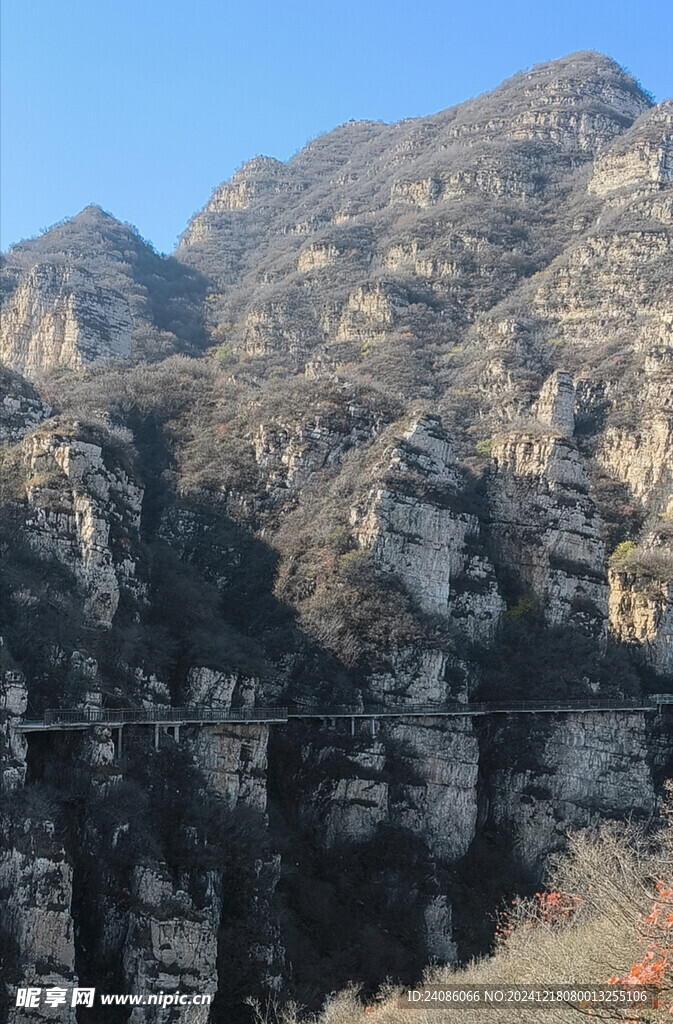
(176, 733)
(352, 727)
(373, 728)
(119, 742)
(156, 737)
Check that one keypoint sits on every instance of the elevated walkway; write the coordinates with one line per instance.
(62, 719)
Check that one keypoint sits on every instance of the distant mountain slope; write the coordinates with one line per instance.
(419, 225)
(92, 290)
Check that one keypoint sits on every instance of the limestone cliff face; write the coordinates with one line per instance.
(21, 408)
(170, 945)
(641, 614)
(59, 317)
(290, 455)
(556, 404)
(607, 284)
(433, 792)
(233, 757)
(36, 891)
(91, 291)
(369, 312)
(642, 159)
(411, 526)
(574, 771)
(546, 526)
(258, 181)
(13, 704)
(639, 452)
(441, 804)
(85, 511)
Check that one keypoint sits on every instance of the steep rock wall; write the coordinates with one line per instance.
(84, 510)
(545, 527)
(58, 316)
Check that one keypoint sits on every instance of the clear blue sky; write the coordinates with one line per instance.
(144, 106)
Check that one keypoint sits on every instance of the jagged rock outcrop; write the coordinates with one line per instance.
(91, 291)
(84, 510)
(21, 408)
(59, 317)
(171, 946)
(639, 451)
(36, 894)
(291, 454)
(258, 181)
(574, 771)
(545, 526)
(369, 312)
(641, 159)
(556, 404)
(607, 285)
(412, 527)
(641, 614)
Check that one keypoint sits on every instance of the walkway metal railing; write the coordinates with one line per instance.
(74, 718)
(472, 708)
(168, 716)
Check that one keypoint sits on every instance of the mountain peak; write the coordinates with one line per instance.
(573, 81)
(584, 65)
(260, 167)
(92, 213)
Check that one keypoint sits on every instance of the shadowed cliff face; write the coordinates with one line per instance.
(394, 425)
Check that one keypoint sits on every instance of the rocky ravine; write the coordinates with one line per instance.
(393, 426)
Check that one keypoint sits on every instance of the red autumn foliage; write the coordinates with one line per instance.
(656, 929)
(545, 909)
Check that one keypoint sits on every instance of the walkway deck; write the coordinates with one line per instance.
(58, 720)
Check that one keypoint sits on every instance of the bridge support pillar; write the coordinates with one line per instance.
(156, 737)
(119, 742)
(352, 727)
(373, 727)
(176, 733)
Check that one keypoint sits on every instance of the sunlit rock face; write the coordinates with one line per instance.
(84, 510)
(546, 524)
(556, 404)
(642, 159)
(21, 408)
(58, 317)
(412, 527)
(641, 615)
